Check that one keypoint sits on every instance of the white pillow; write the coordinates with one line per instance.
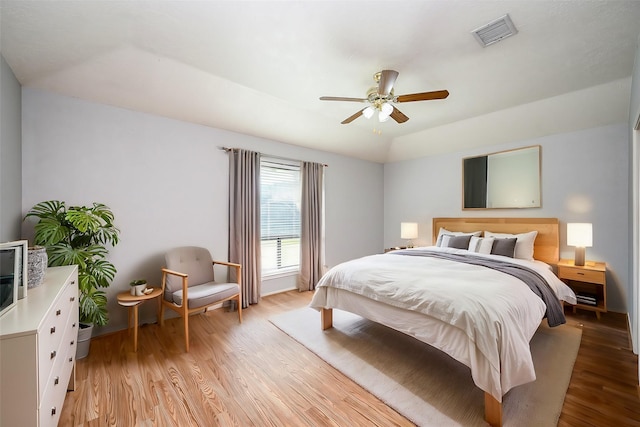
(481, 245)
(444, 231)
(524, 243)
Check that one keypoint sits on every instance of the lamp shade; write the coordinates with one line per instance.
(580, 234)
(368, 112)
(387, 108)
(409, 230)
(385, 111)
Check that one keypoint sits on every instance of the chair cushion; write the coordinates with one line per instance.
(207, 294)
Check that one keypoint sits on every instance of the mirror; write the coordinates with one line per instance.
(508, 179)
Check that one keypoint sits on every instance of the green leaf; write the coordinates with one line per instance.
(49, 231)
(83, 219)
(62, 254)
(48, 209)
(93, 308)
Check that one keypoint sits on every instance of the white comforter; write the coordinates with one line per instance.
(496, 313)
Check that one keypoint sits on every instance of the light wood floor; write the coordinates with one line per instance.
(255, 375)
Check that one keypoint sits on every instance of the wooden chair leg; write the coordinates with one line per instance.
(161, 314)
(186, 330)
(239, 309)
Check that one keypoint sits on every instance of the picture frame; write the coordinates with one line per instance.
(17, 250)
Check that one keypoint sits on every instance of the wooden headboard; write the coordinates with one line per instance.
(546, 247)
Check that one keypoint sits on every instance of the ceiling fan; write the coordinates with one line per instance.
(381, 99)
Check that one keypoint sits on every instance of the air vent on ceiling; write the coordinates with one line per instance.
(495, 31)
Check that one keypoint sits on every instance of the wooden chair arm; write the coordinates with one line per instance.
(185, 278)
(175, 273)
(230, 264)
(238, 268)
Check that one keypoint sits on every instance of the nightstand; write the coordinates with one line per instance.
(588, 282)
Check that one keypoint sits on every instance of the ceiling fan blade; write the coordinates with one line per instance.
(424, 96)
(341, 98)
(398, 116)
(387, 80)
(352, 118)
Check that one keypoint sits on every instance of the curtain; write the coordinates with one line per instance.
(311, 233)
(244, 220)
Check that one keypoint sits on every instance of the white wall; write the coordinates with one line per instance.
(10, 154)
(167, 183)
(584, 179)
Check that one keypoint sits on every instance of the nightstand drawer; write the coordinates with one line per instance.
(581, 275)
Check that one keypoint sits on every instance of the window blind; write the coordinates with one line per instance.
(280, 194)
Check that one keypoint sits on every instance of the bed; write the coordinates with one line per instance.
(446, 296)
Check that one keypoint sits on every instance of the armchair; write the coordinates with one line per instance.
(188, 284)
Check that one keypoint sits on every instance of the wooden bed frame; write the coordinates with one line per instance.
(546, 248)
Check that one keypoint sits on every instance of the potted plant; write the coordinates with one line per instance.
(138, 287)
(79, 235)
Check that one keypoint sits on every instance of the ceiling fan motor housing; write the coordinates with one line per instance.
(376, 99)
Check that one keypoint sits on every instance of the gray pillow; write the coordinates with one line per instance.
(457, 242)
(504, 247)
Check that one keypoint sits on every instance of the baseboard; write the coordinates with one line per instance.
(279, 291)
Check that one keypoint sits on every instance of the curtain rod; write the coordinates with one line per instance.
(227, 149)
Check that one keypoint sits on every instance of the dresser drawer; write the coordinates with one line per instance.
(54, 333)
(65, 355)
(55, 391)
(581, 275)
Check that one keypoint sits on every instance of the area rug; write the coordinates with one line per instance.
(424, 384)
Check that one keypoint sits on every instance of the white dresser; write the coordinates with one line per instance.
(38, 351)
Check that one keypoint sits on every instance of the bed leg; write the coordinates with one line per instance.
(326, 316)
(492, 410)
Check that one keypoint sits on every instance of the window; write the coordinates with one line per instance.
(280, 194)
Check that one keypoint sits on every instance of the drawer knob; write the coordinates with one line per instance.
(53, 354)
(56, 381)
(72, 342)
(72, 299)
(53, 410)
(580, 273)
(71, 359)
(73, 326)
(53, 329)
(58, 312)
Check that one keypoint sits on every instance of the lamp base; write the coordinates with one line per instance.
(579, 258)
(409, 244)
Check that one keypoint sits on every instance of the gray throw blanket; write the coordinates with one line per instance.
(537, 283)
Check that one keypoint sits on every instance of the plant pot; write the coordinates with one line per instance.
(138, 290)
(84, 340)
(37, 260)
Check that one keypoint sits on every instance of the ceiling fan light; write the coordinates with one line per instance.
(387, 109)
(382, 117)
(368, 112)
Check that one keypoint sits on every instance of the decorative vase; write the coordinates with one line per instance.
(37, 261)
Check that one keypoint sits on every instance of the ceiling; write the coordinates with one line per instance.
(259, 67)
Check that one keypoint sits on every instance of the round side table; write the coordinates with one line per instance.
(133, 302)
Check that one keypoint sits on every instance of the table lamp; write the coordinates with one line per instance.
(579, 235)
(409, 231)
